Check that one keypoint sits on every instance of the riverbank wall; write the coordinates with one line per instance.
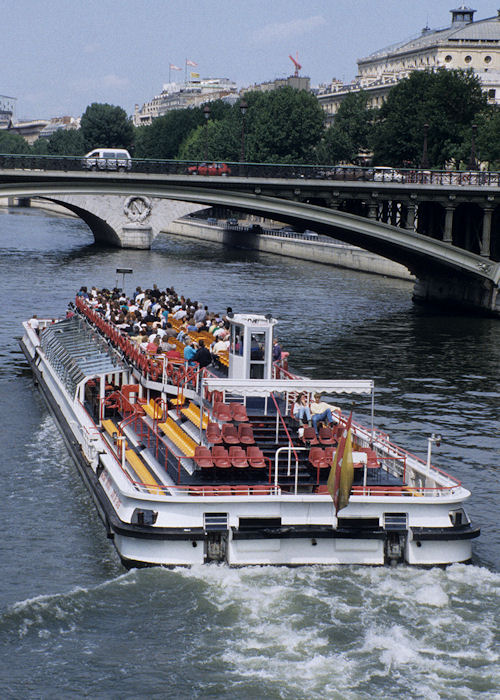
(318, 249)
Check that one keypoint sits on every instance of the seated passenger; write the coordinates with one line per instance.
(301, 409)
(322, 411)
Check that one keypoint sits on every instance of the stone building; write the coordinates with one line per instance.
(466, 44)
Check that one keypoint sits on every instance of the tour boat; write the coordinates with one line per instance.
(189, 466)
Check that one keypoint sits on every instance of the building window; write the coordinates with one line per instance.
(492, 93)
(447, 58)
(468, 59)
(487, 59)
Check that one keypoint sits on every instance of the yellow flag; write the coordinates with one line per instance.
(342, 471)
(346, 474)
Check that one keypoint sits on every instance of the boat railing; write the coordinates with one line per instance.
(415, 472)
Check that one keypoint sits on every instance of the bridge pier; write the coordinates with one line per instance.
(453, 292)
(486, 233)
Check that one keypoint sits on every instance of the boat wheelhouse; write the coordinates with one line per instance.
(190, 465)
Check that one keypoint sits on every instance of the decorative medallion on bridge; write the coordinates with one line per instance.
(137, 209)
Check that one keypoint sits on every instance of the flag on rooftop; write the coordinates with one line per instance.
(342, 470)
(194, 76)
(172, 67)
(190, 63)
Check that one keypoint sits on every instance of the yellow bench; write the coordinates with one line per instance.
(177, 435)
(193, 413)
(153, 410)
(142, 472)
(113, 432)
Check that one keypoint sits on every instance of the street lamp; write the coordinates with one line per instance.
(432, 439)
(206, 114)
(472, 160)
(425, 158)
(243, 108)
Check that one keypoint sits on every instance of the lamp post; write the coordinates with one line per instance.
(472, 160)
(425, 157)
(206, 114)
(243, 109)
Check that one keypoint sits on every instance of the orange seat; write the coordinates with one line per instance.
(238, 457)
(317, 458)
(245, 434)
(326, 436)
(239, 412)
(213, 434)
(256, 457)
(309, 435)
(222, 412)
(203, 457)
(230, 434)
(221, 457)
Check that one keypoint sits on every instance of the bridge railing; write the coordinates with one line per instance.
(343, 173)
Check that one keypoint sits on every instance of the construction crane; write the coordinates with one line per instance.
(296, 63)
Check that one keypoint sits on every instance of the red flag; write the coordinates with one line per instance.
(341, 470)
(172, 67)
(190, 63)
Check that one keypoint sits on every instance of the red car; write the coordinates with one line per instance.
(210, 169)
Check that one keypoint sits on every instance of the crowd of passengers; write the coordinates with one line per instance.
(144, 316)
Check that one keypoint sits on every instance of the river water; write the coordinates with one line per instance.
(75, 624)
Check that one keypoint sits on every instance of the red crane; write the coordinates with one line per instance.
(296, 63)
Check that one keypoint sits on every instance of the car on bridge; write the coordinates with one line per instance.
(383, 173)
(210, 169)
(107, 159)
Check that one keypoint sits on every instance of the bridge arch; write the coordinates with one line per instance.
(431, 260)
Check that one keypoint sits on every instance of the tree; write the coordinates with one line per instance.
(66, 142)
(446, 100)
(163, 138)
(284, 126)
(355, 119)
(488, 136)
(12, 143)
(106, 126)
(335, 146)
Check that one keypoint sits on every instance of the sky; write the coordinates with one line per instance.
(59, 56)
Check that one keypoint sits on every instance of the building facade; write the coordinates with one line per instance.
(179, 96)
(466, 44)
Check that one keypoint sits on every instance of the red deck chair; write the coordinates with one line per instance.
(230, 434)
(222, 412)
(318, 459)
(239, 412)
(238, 457)
(261, 490)
(221, 457)
(256, 457)
(309, 436)
(329, 454)
(203, 457)
(214, 436)
(326, 436)
(245, 434)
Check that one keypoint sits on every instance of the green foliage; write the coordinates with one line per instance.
(12, 143)
(488, 136)
(350, 132)
(446, 100)
(106, 126)
(163, 138)
(335, 146)
(66, 142)
(284, 126)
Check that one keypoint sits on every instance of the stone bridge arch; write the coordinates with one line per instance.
(124, 221)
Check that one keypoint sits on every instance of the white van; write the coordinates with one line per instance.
(107, 159)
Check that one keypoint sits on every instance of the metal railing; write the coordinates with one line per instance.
(343, 173)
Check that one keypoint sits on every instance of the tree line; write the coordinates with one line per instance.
(288, 126)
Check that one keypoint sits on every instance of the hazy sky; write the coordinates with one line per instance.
(58, 56)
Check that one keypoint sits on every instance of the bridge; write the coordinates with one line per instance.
(443, 226)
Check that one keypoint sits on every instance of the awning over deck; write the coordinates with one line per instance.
(76, 352)
(265, 387)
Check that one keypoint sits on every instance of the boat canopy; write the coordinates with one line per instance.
(265, 387)
(76, 352)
